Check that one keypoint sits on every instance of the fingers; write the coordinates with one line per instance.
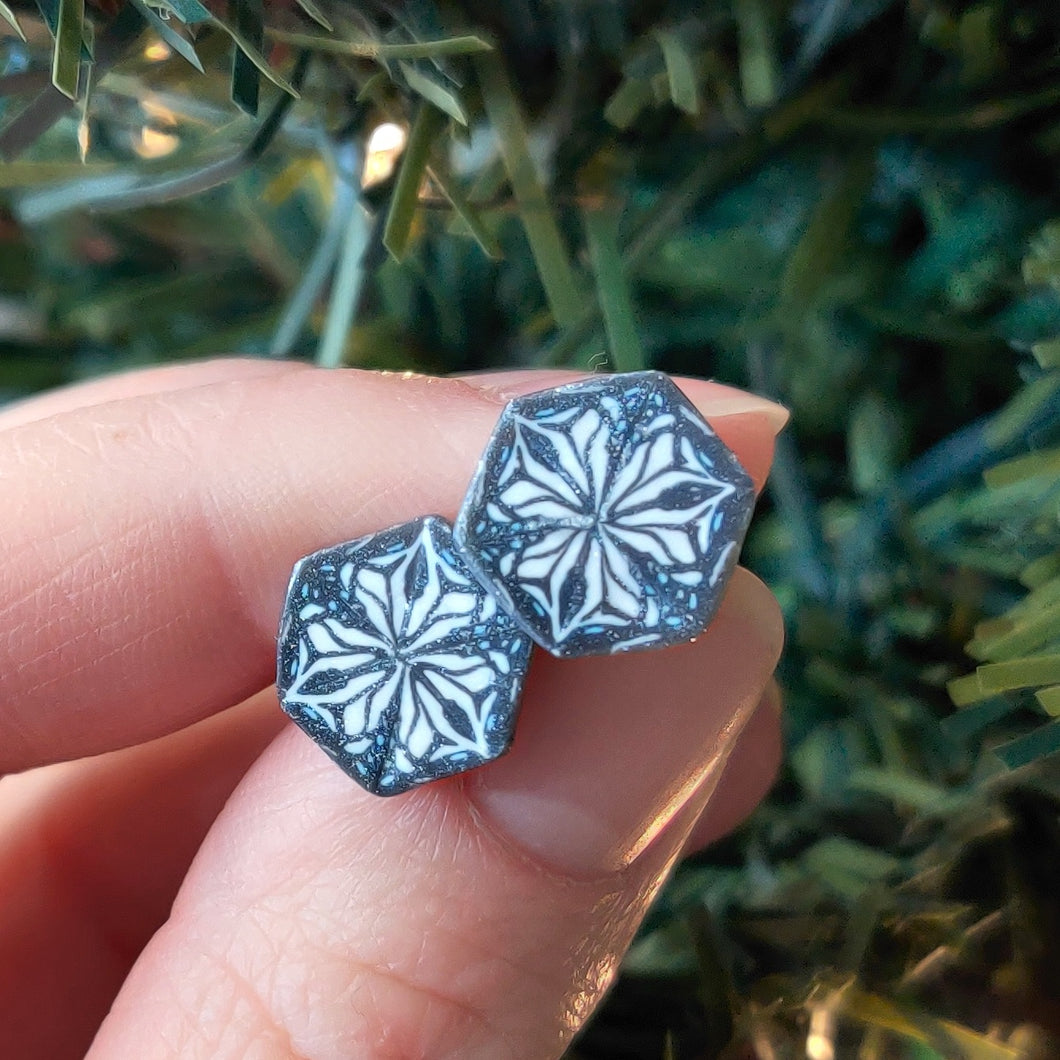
(657, 753)
(739, 427)
(473, 920)
(750, 772)
(147, 381)
(91, 856)
(151, 538)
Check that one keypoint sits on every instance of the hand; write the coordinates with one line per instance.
(150, 524)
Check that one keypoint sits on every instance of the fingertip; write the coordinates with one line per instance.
(610, 748)
(748, 776)
(749, 597)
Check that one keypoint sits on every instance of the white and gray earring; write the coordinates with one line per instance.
(605, 516)
(397, 661)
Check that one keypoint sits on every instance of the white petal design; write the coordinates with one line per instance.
(548, 553)
(644, 542)
(645, 462)
(567, 561)
(674, 548)
(375, 693)
(459, 667)
(438, 630)
(623, 591)
(590, 437)
(400, 660)
(370, 591)
(598, 509)
(529, 469)
(330, 635)
(346, 680)
(415, 730)
(558, 435)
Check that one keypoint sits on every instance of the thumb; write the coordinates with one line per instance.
(476, 918)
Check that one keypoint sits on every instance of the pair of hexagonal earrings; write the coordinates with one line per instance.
(605, 516)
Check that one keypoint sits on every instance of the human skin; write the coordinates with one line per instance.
(208, 875)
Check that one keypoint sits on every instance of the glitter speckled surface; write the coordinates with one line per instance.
(607, 515)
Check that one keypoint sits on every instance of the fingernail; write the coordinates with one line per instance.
(739, 402)
(714, 400)
(609, 749)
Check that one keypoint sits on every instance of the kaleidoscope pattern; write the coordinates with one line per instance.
(397, 661)
(606, 515)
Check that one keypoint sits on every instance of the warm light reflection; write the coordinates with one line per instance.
(156, 51)
(155, 143)
(385, 145)
(84, 139)
(157, 138)
(820, 1042)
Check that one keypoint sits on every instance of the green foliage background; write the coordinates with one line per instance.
(844, 204)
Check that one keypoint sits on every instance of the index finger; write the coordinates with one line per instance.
(150, 538)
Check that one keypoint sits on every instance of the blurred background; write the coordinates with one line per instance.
(844, 204)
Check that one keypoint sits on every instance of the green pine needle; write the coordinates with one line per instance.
(9, 17)
(681, 70)
(612, 289)
(546, 243)
(426, 127)
(69, 40)
(365, 48)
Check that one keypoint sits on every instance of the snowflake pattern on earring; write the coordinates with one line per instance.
(397, 661)
(607, 515)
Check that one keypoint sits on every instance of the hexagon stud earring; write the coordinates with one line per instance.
(397, 661)
(606, 515)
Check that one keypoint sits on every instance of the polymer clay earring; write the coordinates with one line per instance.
(397, 661)
(606, 515)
